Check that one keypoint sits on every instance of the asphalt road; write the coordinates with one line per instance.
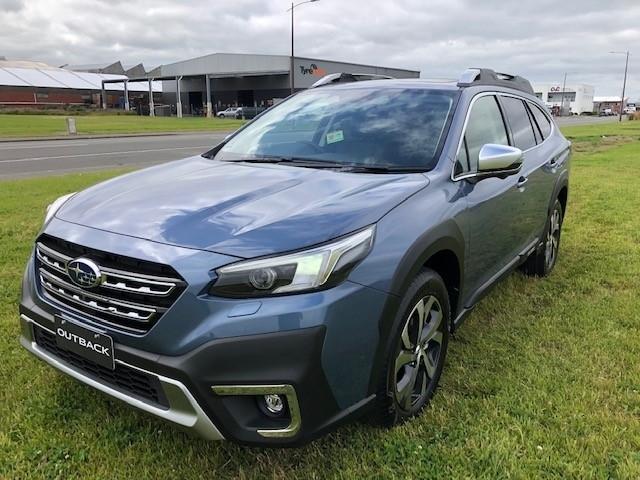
(584, 120)
(51, 157)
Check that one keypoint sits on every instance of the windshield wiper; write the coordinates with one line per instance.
(379, 169)
(293, 161)
(341, 167)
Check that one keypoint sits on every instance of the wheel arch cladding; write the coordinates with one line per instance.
(441, 249)
(560, 192)
(436, 248)
(446, 264)
(563, 195)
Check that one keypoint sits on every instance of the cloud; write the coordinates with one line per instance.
(540, 39)
(11, 5)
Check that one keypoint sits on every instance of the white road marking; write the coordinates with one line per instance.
(69, 143)
(103, 154)
(78, 170)
(49, 145)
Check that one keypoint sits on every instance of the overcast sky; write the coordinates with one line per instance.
(540, 39)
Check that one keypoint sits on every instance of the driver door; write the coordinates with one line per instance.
(494, 205)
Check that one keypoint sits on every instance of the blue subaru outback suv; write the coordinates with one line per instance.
(311, 267)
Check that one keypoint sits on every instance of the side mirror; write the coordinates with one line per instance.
(497, 159)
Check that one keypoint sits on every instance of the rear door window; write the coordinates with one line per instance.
(485, 125)
(521, 128)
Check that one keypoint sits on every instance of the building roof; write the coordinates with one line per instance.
(607, 99)
(249, 63)
(35, 74)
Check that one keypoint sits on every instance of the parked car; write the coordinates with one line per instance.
(607, 112)
(309, 269)
(249, 112)
(231, 112)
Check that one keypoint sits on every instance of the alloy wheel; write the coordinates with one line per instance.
(417, 362)
(553, 239)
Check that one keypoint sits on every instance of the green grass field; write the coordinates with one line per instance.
(542, 381)
(15, 126)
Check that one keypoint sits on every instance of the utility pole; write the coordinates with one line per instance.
(564, 86)
(624, 86)
(624, 83)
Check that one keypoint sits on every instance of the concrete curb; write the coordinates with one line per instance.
(111, 135)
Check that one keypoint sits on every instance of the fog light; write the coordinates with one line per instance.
(274, 403)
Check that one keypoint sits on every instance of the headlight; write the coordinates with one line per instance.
(316, 268)
(55, 206)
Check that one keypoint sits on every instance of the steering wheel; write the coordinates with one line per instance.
(316, 148)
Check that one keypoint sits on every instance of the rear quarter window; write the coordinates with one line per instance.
(541, 119)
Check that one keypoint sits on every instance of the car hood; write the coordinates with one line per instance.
(238, 209)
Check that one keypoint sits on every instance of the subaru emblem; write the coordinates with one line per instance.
(84, 273)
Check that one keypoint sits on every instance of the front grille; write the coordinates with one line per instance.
(132, 382)
(133, 295)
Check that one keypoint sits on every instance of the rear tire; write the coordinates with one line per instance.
(415, 356)
(541, 262)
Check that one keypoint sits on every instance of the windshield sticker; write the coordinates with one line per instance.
(333, 137)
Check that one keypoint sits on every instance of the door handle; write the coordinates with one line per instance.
(522, 181)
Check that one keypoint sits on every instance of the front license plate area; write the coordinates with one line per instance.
(94, 346)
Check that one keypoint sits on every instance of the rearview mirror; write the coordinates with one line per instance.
(499, 159)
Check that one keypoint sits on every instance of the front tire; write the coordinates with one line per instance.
(541, 262)
(417, 351)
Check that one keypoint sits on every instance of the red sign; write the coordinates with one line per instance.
(314, 70)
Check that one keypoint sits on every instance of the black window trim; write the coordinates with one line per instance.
(466, 175)
(537, 131)
(512, 141)
(531, 106)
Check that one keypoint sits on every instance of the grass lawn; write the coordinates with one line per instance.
(542, 381)
(47, 125)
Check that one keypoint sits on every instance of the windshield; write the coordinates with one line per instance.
(397, 128)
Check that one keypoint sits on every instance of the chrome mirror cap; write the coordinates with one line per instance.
(496, 158)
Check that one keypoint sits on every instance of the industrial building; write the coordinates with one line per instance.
(198, 86)
(204, 85)
(577, 98)
(602, 104)
(38, 85)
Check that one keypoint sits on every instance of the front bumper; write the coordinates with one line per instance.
(212, 390)
(183, 410)
(321, 346)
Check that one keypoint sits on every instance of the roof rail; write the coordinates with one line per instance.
(348, 78)
(486, 76)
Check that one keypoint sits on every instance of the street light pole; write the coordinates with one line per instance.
(624, 83)
(292, 65)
